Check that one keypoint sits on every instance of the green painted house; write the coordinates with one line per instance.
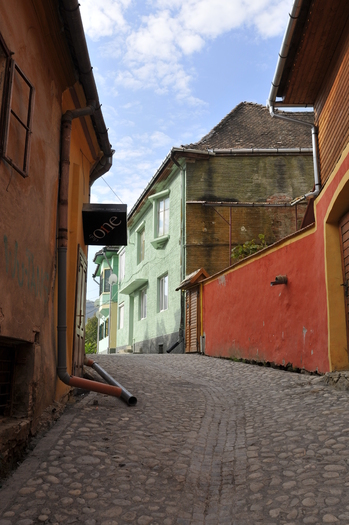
(107, 268)
(240, 180)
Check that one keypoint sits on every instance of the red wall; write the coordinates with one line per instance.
(243, 316)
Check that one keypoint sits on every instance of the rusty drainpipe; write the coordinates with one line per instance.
(62, 373)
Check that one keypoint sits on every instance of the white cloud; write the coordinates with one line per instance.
(159, 139)
(104, 17)
(152, 48)
(273, 21)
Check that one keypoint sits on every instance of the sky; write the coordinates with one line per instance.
(167, 72)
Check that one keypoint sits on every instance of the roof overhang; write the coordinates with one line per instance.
(136, 284)
(193, 279)
(311, 45)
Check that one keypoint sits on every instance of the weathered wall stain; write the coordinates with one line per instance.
(221, 280)
(28, 274)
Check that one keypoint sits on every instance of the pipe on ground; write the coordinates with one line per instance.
(173, 347)
(126, 396)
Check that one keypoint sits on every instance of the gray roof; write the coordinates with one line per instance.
(250, 125)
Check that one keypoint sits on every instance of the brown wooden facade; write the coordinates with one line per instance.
(317, 73)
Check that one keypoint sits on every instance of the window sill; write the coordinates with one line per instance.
(160, 242)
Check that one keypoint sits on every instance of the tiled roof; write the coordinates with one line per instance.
(250, 125)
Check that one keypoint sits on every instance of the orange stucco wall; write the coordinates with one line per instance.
(28, 211)
(301, 323)
(29, 207)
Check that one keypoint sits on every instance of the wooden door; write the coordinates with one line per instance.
(344, 239)
(80, 309)
(192, 323)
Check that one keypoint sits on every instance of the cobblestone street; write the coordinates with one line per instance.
(210, 442)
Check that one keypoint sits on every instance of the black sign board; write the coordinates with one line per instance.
(105, 224)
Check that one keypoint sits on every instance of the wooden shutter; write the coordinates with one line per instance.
(80, 309)
(192, 320)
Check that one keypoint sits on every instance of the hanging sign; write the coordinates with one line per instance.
(105, 224)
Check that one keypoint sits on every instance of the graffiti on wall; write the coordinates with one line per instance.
(25, 271)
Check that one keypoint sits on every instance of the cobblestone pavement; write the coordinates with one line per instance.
(210, 442)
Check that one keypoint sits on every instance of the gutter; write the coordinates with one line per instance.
(213, 153)
(237, 204)
(72, 17)
(271, 102)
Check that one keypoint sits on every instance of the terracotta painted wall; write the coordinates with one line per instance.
(245, 317)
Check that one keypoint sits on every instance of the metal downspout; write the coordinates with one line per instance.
(62, 373)
(126, 396)
(273, 93)
(314, 141)
(182, 266)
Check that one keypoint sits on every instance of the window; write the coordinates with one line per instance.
(104, 285)
(143, 303)
(163, 217)
(141, 245)
(103, 329)
(121, 315)
(121, 265)
(17, 101)
(163, 293)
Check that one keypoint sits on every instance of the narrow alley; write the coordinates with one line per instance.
(210, 442)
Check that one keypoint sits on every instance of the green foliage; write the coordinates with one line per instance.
(91, 335)
(248, 248)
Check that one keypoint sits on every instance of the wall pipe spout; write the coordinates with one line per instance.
(126, 396)
(62, 238)
(271, 102)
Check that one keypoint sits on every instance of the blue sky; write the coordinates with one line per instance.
(167, 71)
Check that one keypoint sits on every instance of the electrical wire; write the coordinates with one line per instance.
(112, 190)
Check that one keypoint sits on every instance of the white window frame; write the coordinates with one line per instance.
(163, 293)
(140, 232)
(143, 304)
(161, 218)
(104, 281)
(122, 265)
(121, 316)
